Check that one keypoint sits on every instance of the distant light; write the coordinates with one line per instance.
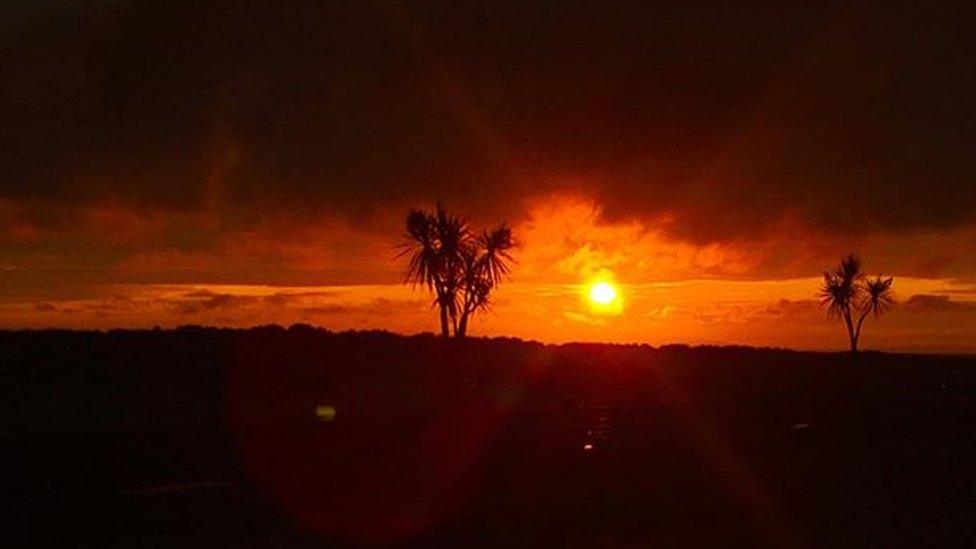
(588, 447)
(325, 413)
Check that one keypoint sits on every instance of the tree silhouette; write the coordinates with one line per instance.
(849, 295)
(459, 268)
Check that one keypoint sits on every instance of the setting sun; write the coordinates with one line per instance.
(603, 293)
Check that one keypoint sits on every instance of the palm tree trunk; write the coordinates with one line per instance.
(445, 328)
(850, 330)
(461, 329)
(857, 331)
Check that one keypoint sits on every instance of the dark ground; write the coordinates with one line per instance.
(193, 438)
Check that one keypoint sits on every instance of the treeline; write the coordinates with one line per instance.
(369, 436)
(195, 377)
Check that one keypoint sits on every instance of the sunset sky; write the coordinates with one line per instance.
(167, 163)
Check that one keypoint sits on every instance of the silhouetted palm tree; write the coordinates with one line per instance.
(484, 269)
(459, 268)
(847, 296)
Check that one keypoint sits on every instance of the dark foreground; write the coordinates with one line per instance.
(295, 438)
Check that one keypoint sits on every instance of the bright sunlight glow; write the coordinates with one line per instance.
(603, 293)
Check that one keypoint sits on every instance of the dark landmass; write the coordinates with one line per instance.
(304, 438)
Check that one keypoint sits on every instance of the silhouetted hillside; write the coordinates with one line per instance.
(269, 437)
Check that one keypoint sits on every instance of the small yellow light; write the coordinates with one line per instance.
(325, 413)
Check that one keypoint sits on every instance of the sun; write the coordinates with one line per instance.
(603, 293)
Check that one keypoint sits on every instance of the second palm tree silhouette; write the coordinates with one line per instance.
(848, 295)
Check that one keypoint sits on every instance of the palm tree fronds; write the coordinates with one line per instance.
(847, 294)
(460, 268)
(880, 299)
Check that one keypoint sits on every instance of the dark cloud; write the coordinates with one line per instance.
(726, 118)
(326, 310)
(377, 307)
(204, 301)
(794, 310)
(926, 303)
(285, 299)
(961, 291)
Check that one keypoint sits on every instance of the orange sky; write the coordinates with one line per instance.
(217, 163)
(757, 293)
